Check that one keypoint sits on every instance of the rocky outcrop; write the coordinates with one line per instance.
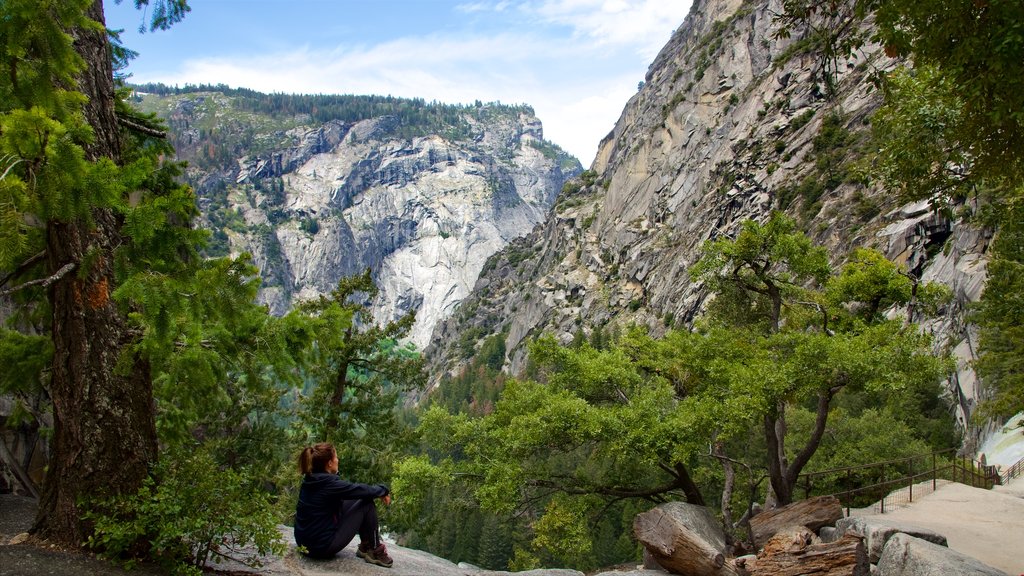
(420, 201)
(730, 123)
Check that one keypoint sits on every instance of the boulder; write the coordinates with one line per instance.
(905, 555)
(813, 513)
(684, 539)
(877, 531)
(829, 533)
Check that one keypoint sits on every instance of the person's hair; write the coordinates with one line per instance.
(315, 458)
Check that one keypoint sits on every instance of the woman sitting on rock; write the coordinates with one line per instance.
(331, 511)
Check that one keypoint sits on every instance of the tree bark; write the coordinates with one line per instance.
(782, 474)
(684, 539)
(104, 419)
(340, 386)
(812, 513)
(776, 458)
(690, 488)
(794, 554)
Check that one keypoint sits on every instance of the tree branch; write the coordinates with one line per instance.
(44, 282)
(23, 477)
(821, 419)
(132, 124)
(23, 266)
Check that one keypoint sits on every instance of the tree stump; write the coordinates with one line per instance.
(797, 551)
(684, 539)
(812, 513)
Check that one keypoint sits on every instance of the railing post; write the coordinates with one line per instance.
(935, 472)
(911, 487)
(883, 488)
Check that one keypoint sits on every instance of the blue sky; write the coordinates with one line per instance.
(576, 62)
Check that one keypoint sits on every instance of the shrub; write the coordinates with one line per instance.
(189, 512)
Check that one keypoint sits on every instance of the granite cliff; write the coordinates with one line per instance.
(321, 187)
(733, 121)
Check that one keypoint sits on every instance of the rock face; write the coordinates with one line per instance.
(422, 196)
(730, 124)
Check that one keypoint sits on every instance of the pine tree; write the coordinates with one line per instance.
(96, 251)
(61, 234)
(357, 369)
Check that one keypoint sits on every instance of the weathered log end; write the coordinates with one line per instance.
(684, 539)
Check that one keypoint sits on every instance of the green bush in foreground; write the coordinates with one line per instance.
(190, 514)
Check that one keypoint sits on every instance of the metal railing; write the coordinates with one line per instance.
(894, 482)
(1012, 472)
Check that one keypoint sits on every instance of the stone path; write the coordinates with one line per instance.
(985, 524)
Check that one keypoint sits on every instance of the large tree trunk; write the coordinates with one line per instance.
(104, 433)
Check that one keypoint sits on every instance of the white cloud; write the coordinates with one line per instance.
(577, 83)
(643, 25)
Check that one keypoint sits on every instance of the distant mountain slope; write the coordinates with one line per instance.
(321, 187)
(730, 124)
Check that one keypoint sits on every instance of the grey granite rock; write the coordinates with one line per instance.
(905, 555)
(876, 531)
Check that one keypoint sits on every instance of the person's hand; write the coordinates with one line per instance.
(386, 499)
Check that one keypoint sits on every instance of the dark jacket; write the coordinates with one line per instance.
(321, 494)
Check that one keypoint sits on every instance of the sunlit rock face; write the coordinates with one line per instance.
(315, 202)
(731, 123)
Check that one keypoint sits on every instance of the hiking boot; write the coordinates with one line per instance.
(378, 556)
(363, 551)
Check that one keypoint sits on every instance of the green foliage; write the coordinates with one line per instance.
(800, 121)
(588, 177)
(43, 170)
(563, 532)
(1000, 315)
(917, 151)
(190, 512)
(806, 347)
(228, 132)
(600, 428)
(974, 50)
(355, 371)
(765, 264)
(509, 459)
(835, 152)
(24, 358)
(830, 30)
(875, 284)
(166, 13)
(954, 127)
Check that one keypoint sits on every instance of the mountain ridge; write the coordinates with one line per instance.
(733, 121)
(322, 187)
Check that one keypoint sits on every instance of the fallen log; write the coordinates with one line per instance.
(812, 513)
(684, 539)
(797, 551)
